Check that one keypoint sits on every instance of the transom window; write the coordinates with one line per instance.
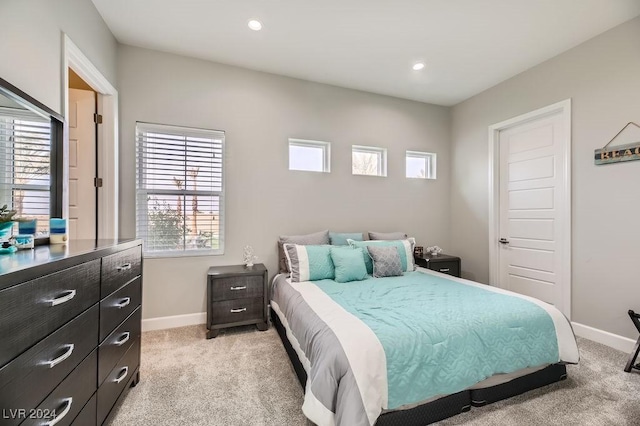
(180, 190)
(368, 160)
(421, 165)
(309, 156)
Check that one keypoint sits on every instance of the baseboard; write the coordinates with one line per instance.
(162, 323)
(614, 341)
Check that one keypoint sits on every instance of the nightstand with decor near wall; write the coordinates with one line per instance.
(236, 295)
(444, 263)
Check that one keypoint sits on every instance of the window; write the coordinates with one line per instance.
(180, 190)
(25, 163)
(309, 156)
(421, 165)
(368, 160)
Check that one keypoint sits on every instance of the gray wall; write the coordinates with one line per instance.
(601, 77)
(31, 44)
(259, 112)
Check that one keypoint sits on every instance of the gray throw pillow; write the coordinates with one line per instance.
(315, 239)
(386, 261)
(387, 236)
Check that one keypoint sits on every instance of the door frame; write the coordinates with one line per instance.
(564, 108)
(107, 148)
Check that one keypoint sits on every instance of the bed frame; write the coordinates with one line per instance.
(447, 406)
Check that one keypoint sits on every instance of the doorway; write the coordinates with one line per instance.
(530, 205)
(83, 131)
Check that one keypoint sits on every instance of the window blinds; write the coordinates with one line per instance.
(180, 191)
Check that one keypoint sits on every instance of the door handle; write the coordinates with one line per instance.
(503, 241)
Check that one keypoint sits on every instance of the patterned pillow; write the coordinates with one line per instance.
(387, 236)
(405, 248)
(321, 237)
(309, 263)
(386, 261)
(349, 264)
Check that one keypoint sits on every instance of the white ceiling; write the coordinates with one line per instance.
(467, 45)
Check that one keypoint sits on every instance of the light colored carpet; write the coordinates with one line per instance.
(243, 377)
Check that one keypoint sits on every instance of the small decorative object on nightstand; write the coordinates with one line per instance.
(441, 263)
(236, 295)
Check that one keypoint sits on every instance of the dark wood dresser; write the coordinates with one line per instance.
(442, 263)
(70, 322)
(236, 295)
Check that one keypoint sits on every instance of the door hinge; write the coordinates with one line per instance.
(97, 118)
(97, 182)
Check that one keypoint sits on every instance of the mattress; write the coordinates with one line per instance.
(390, 344)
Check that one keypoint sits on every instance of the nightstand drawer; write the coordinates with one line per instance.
(237, 310)
(237, 287)
(450, 268)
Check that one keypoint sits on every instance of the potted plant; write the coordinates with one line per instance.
(6, 222)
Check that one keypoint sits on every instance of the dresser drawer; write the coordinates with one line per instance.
(450, 268)
(87, 416)
(117, 343)
(116, 381)
(28, 379)
(237, 310)
(120, 268)
(237, 287)
(70, 397)
(118, 306)
(32, 310)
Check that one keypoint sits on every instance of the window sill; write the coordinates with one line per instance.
(185, 253)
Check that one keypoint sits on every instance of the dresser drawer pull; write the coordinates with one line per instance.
(444, 270)
(124, 267)
(236, 311)
(59, 417)
(62, 357)
(63, 299)
(123, 339)
(123, 303)
(242, 287)
(122, 375)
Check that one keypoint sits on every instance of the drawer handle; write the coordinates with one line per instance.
(123, 303)
(122, 375)
(444, 270)
(63, 299)
(59, 417)
(242, 287)
(123, 339)
(62, 357)
(235, 311)
(124, 267)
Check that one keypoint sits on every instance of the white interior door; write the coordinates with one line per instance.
(82, 164)
(534, 199)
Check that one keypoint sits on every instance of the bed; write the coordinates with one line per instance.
(415, 349)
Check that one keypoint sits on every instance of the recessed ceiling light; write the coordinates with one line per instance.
(418, 66)
(255, 25)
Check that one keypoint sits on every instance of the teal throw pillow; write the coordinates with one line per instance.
(340, 238)
(309, 263)
(349, 264)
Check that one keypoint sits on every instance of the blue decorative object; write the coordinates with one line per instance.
(57, 231)
(27, 227)
(5, 230)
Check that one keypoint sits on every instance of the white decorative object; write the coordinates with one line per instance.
(434, 250)
(247, 256)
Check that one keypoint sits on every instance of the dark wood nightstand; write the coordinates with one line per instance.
(236, 295)
(441, 263)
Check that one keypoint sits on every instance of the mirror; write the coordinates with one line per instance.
(31, 144)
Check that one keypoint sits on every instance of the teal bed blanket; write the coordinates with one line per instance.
(441, 336)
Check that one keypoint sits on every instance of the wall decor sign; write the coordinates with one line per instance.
(619, 153)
